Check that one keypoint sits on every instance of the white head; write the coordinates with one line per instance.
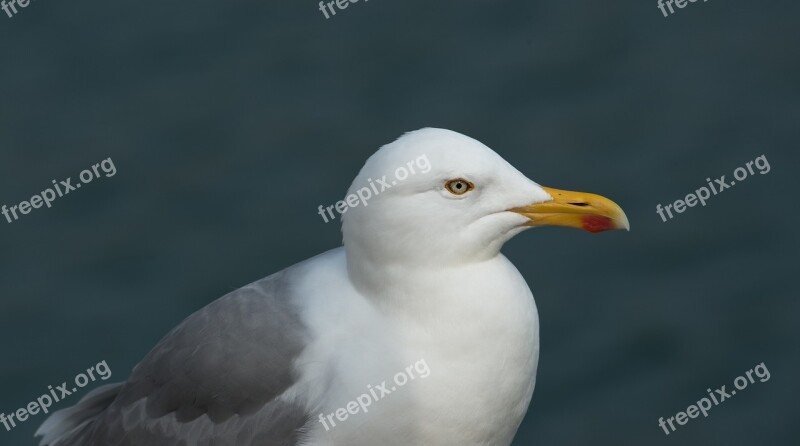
(451, 200)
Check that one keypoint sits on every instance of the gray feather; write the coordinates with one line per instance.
(213, 380)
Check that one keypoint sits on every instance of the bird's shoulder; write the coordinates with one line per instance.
(231, 357)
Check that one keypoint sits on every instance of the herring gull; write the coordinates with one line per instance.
(420, 277)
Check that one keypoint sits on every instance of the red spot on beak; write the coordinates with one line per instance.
(596, 223)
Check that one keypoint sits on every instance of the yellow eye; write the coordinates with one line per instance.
(459, 186)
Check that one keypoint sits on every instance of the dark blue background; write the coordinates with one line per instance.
(229, 123)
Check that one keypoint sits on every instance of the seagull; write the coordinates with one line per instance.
(313, 355)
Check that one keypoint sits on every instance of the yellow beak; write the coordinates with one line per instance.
(581, 210)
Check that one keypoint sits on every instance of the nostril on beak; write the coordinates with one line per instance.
(579, 204)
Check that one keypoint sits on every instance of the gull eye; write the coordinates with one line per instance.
(459, 186)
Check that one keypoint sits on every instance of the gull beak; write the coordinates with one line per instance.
(581, 210)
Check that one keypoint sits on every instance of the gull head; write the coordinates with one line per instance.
(437, 197)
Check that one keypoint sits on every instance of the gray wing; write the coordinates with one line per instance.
(213, 380)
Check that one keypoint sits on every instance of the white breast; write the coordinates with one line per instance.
(477, 330)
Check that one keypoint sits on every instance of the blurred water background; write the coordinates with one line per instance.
(229, 123)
